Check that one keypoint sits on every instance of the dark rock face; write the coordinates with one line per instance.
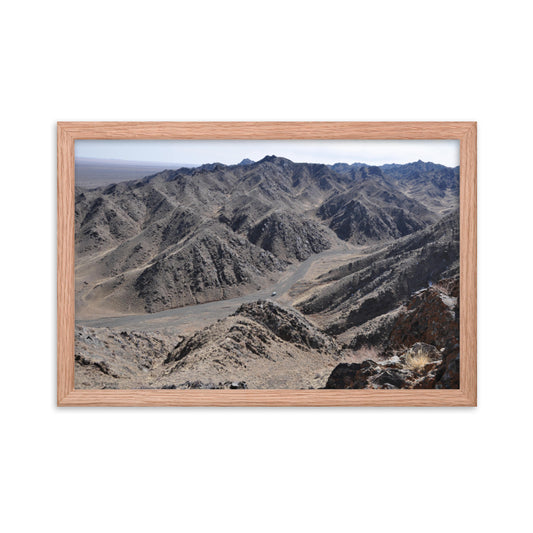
(448, 376)
(289, 237)
(429, 325)
(351, 375)
(431, 316)
(208, 267)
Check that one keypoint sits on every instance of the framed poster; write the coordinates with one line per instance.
(266, 263)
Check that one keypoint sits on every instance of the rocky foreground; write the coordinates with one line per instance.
(264, 345)
(261, 345)
(422, 350)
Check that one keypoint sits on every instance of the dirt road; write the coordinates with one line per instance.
(193, 317)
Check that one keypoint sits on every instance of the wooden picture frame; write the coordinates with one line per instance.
(68, 132)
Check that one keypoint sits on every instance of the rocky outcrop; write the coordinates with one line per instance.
(262, 344)
(430, 316)
(287, 324)
(429, 326)
(414, 368)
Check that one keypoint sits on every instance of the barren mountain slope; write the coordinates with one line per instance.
(362, 290)
(193, 235)
(433, 185)
(373, 209)
(187, 236)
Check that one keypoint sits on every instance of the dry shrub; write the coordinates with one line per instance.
(416, 361)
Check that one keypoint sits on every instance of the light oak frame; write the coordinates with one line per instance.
(68, 132)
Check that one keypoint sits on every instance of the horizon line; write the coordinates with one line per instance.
(197, 165)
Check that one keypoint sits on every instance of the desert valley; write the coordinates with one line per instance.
(269, 274)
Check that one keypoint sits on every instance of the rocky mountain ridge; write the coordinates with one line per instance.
(370, 287)
(191, 235)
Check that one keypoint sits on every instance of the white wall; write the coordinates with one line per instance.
(265, 469)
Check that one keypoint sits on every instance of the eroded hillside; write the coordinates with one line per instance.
(320, 276)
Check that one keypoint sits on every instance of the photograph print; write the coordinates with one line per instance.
(266, 264)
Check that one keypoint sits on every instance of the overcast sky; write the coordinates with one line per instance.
(233, 151)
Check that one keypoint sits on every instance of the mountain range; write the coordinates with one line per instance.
(341, 248)
(192, 235)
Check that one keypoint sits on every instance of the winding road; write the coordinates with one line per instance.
(193, 317)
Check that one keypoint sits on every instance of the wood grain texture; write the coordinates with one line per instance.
(265, 130)
(68, 132)
(65, 265)
(468, 264)
(274, 398)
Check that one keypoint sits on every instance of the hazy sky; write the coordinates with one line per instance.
(233, 151)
